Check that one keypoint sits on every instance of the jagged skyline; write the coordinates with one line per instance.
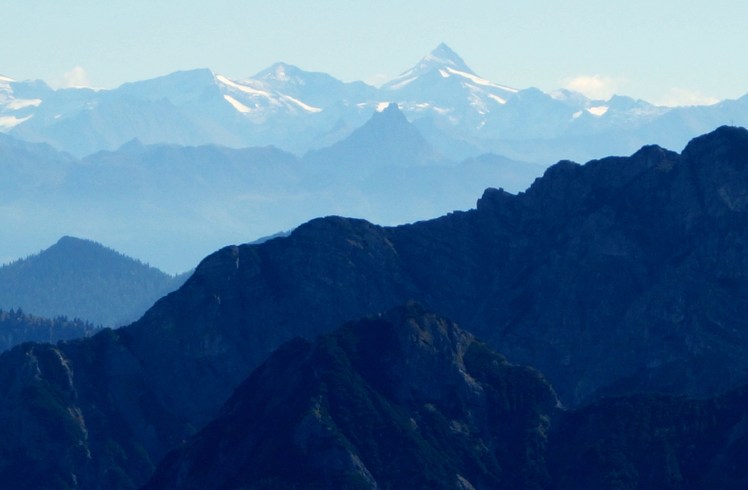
(666, 53)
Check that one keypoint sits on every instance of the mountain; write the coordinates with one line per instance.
(401, 400)
(18, 100)
(622, 276)
(301, 111)
(387, 139)
(82, 279)
(595, 250)
(398, 176)
(317, 89)
(408, 400)
(442, 84)
(17, 327)
(175, 204)
(652, 441)
(28, 166)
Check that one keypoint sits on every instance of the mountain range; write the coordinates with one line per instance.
(459, 113)
(175, 204)
(621, 282)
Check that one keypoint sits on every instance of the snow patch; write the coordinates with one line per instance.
(299, 103)
(598, 110)
(242, 88)
(260, 93)
(8, 122)
(280, 74)
(576, 114)
(497, 99)
(478, 80)
(23, 103)
(402, 83)
(237, 105)
(441, 61)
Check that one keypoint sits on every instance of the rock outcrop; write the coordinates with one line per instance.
(406, 399)
(401, 400)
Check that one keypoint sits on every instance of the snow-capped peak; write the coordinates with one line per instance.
(444, 56)
(439, 60)
(243, 96)
(280, 72)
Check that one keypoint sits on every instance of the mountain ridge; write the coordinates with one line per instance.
(307, 110)
(176, 204)
(624, 275)
(407, 399)
(404, 398)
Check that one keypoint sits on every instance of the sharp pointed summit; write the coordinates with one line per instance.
(386, 139)
(440, 62)
(444, 56)
(444, 80)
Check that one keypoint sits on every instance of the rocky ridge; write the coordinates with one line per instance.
(406, 399)
(403, 399)
(622, 275)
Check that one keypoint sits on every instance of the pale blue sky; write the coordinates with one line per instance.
(661, 51)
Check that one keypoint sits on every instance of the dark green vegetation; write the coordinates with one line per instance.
(625, 275)
(17, 327)
(82, 279)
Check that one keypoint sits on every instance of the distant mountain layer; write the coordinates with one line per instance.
(622, 278)
(84, 280)
(173, 205)
(300, 111)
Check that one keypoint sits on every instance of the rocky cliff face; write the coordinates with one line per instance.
(622, 275)
(652, 441)
(402, 400)
(406, 399)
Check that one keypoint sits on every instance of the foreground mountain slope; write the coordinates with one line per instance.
(652, 442)
(408, 400)
(625, 274)
(81, 415)
(83, 279)
(405, 399)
